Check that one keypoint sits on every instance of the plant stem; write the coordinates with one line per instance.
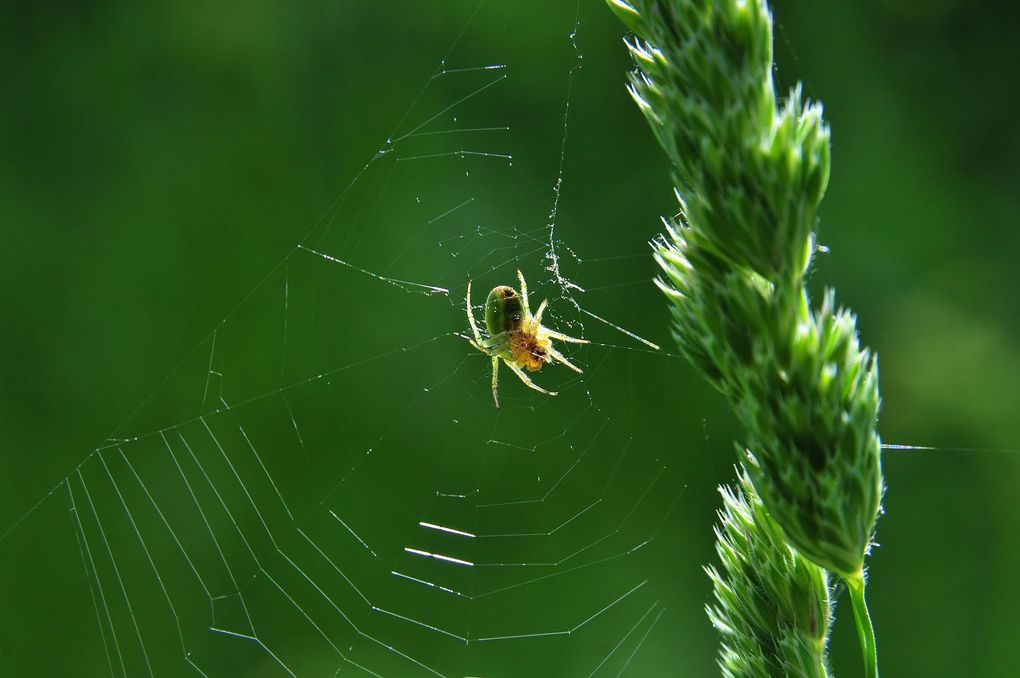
(865, 631)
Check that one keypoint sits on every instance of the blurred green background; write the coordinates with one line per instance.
(160, 164)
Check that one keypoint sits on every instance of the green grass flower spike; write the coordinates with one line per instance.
(750, 172)
(772, 606)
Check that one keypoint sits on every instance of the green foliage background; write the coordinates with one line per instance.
(156, 162)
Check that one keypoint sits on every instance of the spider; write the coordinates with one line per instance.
(515, 336)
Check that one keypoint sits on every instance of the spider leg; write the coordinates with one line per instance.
(524, 293)
(561, 358)
(495, 376)
(537, 320)
(527, 380)
(488, 344)
(471, 320)
(563, 337)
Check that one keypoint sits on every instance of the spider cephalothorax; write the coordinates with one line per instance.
(529, 350)
(515, 336)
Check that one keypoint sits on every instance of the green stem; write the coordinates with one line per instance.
(865, 631)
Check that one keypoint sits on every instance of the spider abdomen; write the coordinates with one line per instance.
(503, 311)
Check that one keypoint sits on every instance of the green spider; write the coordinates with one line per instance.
(515, 336)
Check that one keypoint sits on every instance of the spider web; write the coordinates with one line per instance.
(324, 486)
